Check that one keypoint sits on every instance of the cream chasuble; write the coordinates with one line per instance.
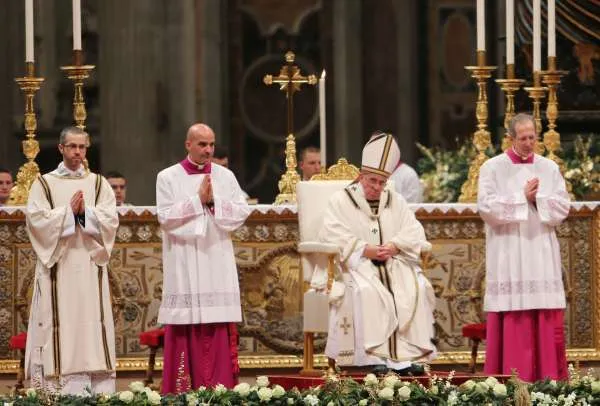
(71, 328)
(523, 268)
(200, 282)
(392, 302)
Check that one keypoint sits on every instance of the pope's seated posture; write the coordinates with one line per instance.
(381, 311)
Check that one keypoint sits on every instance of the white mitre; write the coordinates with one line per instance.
(381, 155)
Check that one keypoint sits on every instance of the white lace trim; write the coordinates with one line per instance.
(524, 287)
(212, 299)
(71, 383)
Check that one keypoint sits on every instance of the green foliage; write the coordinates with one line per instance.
(390, 390)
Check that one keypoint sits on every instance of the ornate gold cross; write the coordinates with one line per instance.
(290, 80)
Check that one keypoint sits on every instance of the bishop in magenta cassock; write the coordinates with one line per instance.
(522, 198)
(198, 204)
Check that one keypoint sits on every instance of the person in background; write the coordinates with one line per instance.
(310, 162)
(119, 186)
(6, 184)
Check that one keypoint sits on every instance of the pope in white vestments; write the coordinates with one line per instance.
(522, 198)
(198, 204)
(71, 221)
(383, 289)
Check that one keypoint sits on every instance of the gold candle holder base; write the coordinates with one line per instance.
(536, 93)
(510, 87)
(29, 171)
(481, 137)
(288, 181)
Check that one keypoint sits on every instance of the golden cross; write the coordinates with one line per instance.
(290, 80)
(345, 326)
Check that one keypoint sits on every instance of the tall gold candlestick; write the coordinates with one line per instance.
(536, 93)
(78, 73)
(509, 86)
(481, 138)
(29, 85)
(551, 78)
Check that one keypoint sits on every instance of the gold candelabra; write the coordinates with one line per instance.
(536, 93)
(481, 138)
(290, 81)
(78, 73)
(551, 78)
(509, 86)
(29, 85)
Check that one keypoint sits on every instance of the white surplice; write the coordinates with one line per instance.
(200, 282)
(523, 267)
(407, 183)
(392, 304)
(71, 339)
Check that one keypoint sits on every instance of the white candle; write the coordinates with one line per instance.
(29, 31)
(481, 25)
(537, 36)
(510, 32)
(323, 126)
(551, 28)
(77, 24)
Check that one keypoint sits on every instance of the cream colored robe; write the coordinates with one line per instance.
(71, 328)
(393, 304)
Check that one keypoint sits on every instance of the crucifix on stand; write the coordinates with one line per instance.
(290, 80)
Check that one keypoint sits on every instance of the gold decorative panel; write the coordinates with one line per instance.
(272, 286)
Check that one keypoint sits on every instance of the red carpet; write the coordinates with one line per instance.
(304, 382)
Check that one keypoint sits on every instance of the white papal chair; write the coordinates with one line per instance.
(312, 197)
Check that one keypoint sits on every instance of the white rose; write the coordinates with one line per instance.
(126, 396)
(371, 380)
(202, 389)
(265, 394)
(311, 400)
(154, 398)
(278, 391)
(500, 390)
(386, 393)
(481, 387)
(468, 385)
(434, 389)
(390, 381)
(491, 382)
(363, 402)
(220, 389)
(136, 386)
(596, 387)
(330, 404)
(31, 393)
(243, 389)
(191, 399)
(262, 381)
(290, 401)
(404, 393)
(553, 383)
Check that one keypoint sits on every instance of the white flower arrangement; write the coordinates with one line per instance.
(262, 381)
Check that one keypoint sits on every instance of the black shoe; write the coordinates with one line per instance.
(380, 370)
(412, 370)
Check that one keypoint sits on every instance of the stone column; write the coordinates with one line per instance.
(133, 96)
(12, 64)
(408, 79)
(347, 77)
(213, 67)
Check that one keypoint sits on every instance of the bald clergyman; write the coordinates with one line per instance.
(199, 203)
